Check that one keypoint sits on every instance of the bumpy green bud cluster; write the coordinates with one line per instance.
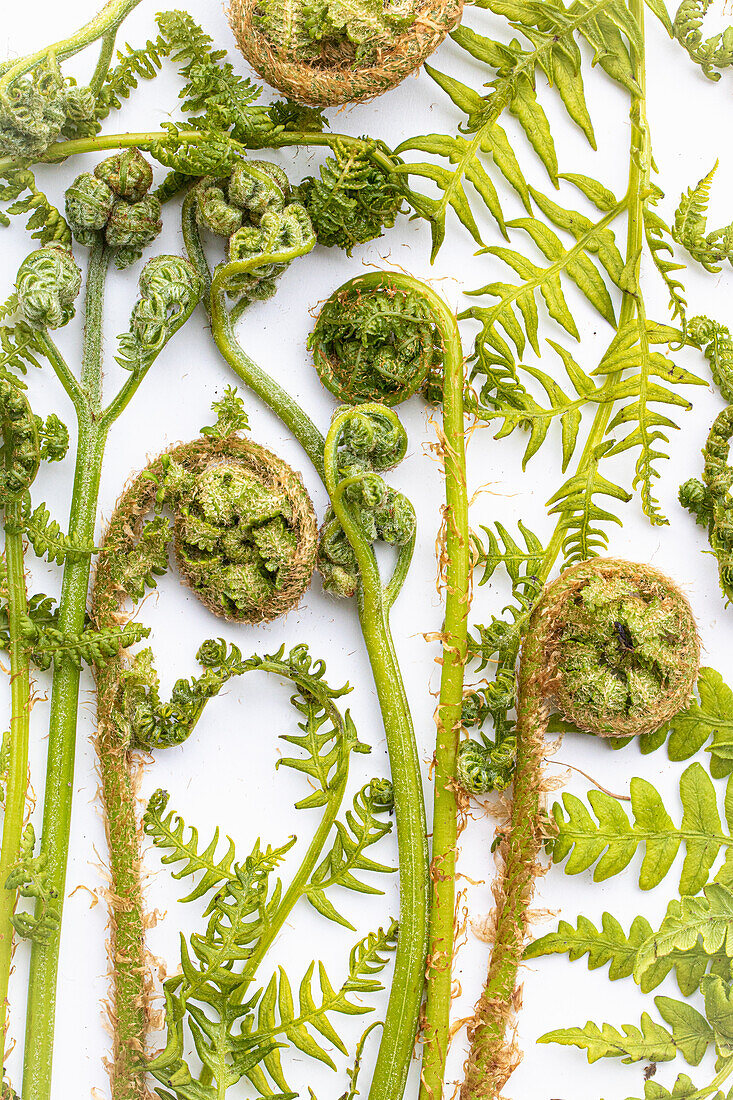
(170, 287)
(33, 113)
(244, 532)
(252, 209)
(374, 344)
(114, 200)
(47, 285)
(21, 452)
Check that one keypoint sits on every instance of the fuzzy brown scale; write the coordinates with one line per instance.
(622, 593)
(337, 76)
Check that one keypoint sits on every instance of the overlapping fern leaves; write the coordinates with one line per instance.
(216, 1005)
(694, 941)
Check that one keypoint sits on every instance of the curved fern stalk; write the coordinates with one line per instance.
(544, 680)
(374, 600)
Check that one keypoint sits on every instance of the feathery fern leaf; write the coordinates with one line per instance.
(611, 841)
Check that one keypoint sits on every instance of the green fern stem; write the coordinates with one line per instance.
(491, 1061)
(65, 687)
(454, 634)
(104, 25)
(17, 783)
(374, 603)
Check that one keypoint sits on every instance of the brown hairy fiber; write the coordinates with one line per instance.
(337, 78)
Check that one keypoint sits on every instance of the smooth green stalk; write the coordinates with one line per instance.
(17, 783)
(104, 25)
(401, 1021)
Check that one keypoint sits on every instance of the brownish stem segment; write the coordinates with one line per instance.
(493, 1056)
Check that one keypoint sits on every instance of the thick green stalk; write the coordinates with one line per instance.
(65, 687)
(17, 784)
(104, 25)
(401, 1021)
(454, 641)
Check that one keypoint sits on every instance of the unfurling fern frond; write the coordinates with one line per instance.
(715, 342)
(710, 500)
(711, 53)
(690, 223)
(30, 879)
(362, 829)
(610, 842)
(353, 199)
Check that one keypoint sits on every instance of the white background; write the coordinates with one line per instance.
(224, 775)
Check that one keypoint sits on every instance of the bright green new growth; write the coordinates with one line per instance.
(375, 345)
(690, 223)
(695, 938)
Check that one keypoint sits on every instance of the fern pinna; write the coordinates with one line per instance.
(693, 941)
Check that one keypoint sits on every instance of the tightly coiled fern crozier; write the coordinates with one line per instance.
(225, 538)
(613, 646)
(324, 52)
(710, 500)
(375, 343)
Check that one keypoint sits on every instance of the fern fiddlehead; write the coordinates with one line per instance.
(710, 501)
(614, 646)
(327, 52)
(237, 511)
(383, 337)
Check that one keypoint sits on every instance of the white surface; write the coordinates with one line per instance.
(224, 775)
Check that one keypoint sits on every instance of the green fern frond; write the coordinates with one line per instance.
(704, 922)
(44, 222)
(711, 53)
(47, 644)
(659, 240)
(610, 842)
(690, 1036)
(690, 223)
(133, 65)
(520, 562)
(30, 878)
(715, 342)
(362, 829)
(47, 538)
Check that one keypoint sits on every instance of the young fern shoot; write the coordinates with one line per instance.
(385, 336)
(112, 212)
(614, 647)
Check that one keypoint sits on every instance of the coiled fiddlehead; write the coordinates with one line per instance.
(113, 203)
(710, 500)
(324, 52)
(613, 646)
(715, 342)
(711, 53)
(375, 343)
(223, 539)
(47, 284)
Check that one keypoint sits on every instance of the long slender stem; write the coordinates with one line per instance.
(104, 22)
(401, 1021)
(445, 809)
(65, 689)
(17, 784)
